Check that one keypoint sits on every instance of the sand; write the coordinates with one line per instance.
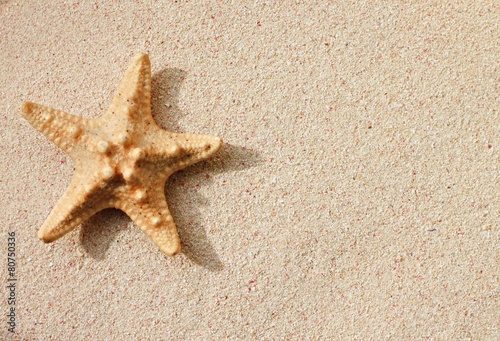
(356, 197)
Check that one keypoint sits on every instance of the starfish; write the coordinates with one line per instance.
(122, 160)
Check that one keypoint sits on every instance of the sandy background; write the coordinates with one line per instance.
(357, 195)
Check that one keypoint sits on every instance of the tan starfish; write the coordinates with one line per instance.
(122, 160)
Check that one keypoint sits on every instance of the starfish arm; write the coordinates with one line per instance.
(178, 151)
(151, 214)
(132, 100)
(59, 127)
(83, 198)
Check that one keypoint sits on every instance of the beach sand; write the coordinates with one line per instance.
(356, 196)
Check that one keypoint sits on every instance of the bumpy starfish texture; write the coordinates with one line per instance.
(122, 160)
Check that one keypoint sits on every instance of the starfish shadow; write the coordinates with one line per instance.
(185, 203)
(99, 231)
(166, 86)
(233, 158)
(165, 89)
